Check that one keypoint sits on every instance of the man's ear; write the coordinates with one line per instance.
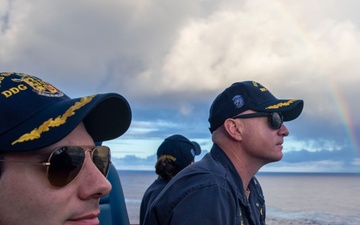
(234, 128)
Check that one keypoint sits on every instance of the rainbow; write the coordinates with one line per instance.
(340, 102)
(345, 117)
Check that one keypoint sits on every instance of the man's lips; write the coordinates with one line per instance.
(89, 219)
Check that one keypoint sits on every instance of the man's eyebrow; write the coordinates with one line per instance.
(26, 156)
(42, 156)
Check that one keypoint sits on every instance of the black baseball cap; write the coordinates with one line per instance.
(35, 114)
(179, 149)
(250, 95)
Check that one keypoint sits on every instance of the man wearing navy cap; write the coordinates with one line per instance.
(51, 171)
(246, 123)
(174, 154)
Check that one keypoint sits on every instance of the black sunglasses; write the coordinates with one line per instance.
(276, 119)
(65, 163)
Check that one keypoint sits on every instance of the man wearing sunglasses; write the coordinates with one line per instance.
(246, 123)
(51, 172)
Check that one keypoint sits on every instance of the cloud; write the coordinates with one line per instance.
(343, 160)
(170, 59)
(306, 156)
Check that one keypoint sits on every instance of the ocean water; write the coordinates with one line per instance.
(317, 198)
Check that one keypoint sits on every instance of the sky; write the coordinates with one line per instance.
(170, 59)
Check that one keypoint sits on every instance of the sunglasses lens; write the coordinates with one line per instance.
(276, 120)
(66, 163)
(101, 159)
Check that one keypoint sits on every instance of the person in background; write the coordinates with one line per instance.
(174, 154)
(51, 172)
(246, 123)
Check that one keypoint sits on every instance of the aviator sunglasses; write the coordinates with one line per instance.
(275, 119)
(65, 163)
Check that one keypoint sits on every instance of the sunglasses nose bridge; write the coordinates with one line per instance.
(91, 151)
(95, 158)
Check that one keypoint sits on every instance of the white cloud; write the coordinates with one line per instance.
(168, 55)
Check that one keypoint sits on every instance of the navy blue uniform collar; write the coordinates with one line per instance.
(217, 153)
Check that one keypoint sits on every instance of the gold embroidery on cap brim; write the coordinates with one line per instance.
(58, 121)
(281, 104)
(168, 157)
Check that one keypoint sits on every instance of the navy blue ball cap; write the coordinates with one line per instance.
(35, 114)
(250, 95)
(179, 149)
